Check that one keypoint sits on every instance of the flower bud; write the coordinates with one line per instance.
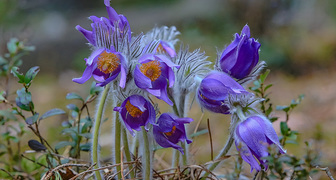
(215, 89)
(241, 56)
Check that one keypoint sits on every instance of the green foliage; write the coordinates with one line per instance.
(261, 90)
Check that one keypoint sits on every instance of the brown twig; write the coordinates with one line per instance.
(326, 169)
(211, 146)
(50, 173)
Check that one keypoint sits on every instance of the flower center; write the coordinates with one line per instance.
(108, 62)
(132, 110)
(171, 132)
(151, 69)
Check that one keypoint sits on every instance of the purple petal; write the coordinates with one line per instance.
(138, 101)
(113, 15)
(166, 60)
(141, 80)
(87, 34)
(227, 81)
(163, 141)
(214, 89)
(252, 134)
(154, 92)
(94, 55)
(246, 31)
(247, 156)
(168, 48)
(123, 73)
(268, 130)
(146, 58)
(86, 75)
(108, 80)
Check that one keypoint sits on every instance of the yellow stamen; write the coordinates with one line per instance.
(108, 62)
(132, 110)
(171, 132)
(151, 69)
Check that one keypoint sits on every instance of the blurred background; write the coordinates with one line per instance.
(298, 42)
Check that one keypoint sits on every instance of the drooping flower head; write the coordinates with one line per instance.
(104, 65)
(103, 28)
(136, 111)
(241, 56)
(152, 74)
(170, 130)
(252, 137)
(215, 89)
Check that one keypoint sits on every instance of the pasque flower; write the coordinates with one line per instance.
(215, 89)
(103, 28)
(170, 130)
(241, 56)
(252, 137)
(104, 65)
(136, 111)
(152, 74)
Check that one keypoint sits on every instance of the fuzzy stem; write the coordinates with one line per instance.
(127, 151)
(175, 158)
(146, 153)
(239, 112)
(117, 153)
(222, 153)
(184, 156)
(96, 131)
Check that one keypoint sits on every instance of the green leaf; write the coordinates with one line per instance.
(95, 89)
(24, 100)
(12, 45)
(63, 144)
(73, 107)
(31, 120)
(74, 96)
(284, 128)
(7, 114)
(86, 135)
(85, 147)
(268, 86)
(17, 74)
(31, 73)
(2, 93)
(204, 131)
(283, 108)
(264, 75)
(52, 112)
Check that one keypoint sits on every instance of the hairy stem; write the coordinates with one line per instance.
(146, 154)
(127, 151)
(117, 138)
(96, 131)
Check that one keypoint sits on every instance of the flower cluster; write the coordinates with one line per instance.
(152, 71)
(148, 65)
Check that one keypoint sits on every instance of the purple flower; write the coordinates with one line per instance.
(214, 90)
(252, 137)
(241, 56)
(104, 65)
(170, 130)
(102, 28)
(152, 74)
(136, 111)
(166, 47)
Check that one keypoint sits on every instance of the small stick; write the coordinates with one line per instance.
(211, 146)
